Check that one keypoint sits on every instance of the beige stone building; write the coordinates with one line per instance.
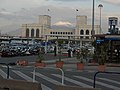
(43, 29)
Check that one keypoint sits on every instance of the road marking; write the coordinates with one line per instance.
(109, 80)
(91, 71)
(48, 79)
(73, 81)
(3, 66)
(23, 75)
(97, 82)
(3, 74)
(27, 78)
(45, 87)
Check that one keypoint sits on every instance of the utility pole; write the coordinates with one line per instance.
(93, 31)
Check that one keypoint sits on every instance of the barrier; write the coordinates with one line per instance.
(104, 73)
(34, 71)
(7, 65)
(49, 68)
(65, 87)
(7, 84)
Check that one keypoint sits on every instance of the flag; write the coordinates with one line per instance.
(48, 9)
(76, 9)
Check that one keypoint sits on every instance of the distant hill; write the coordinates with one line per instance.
(61, 27)
(11, 30)
(15, 32)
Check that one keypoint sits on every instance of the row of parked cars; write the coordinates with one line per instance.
(19, 50)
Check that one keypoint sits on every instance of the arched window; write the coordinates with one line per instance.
(82, 32)
(87, 32)
(37, 33)
(27, 32)
(32, 32)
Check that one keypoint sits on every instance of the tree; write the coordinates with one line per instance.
(102, 53)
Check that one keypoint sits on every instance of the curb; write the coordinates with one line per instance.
(113, 65)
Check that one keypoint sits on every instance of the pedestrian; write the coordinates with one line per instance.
(74, 52)
(55, 51)
(69, 52)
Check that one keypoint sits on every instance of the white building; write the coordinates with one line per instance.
(43, 29)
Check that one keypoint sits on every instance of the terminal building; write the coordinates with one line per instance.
(113, 25)
(43, 30)
(111, 40)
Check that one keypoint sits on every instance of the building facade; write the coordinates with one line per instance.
(113, 25)
(82, 31)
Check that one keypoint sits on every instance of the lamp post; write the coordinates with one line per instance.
(100, 6)
(93, 32)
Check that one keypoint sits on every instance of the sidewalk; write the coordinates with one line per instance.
(70, 64)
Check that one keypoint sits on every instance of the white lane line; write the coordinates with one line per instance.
(109, 80)
(27, 78)
(23, 75)
(45, 87)
(3, 66)
(100, 83)
(48, 79)
(3, 74)
(74, 81)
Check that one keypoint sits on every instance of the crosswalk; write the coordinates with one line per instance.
(48, 81)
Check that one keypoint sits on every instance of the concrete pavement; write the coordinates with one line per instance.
(70, 65)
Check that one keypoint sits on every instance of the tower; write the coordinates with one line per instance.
(81, 20)
(113, 22)
(45, 20)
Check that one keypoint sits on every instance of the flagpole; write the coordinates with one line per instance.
(76, 12)
(48, 12)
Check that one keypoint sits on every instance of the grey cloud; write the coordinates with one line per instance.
(31, 15)
(3, 9)
(17, 17)
(57, 13)
(1, 1)
(116, 2)
(67, 0)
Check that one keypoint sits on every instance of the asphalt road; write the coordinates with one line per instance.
(32, 58)
(49, 77)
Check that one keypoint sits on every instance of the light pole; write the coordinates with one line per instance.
(93, 32)
(100, 6)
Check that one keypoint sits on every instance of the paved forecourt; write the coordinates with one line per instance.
(50, 78)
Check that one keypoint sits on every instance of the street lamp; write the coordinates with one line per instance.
(93, 32)
(100, 6)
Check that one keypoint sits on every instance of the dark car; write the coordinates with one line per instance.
(6, 53)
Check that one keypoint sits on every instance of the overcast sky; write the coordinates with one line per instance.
(18, 12)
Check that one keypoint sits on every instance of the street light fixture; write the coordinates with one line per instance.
(93, 32)
(100, 6)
